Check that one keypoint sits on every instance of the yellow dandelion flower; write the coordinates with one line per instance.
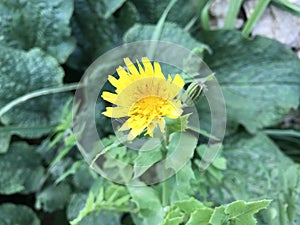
(145, 96)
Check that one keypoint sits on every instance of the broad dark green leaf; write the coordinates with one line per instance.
(170, 32)
(83, 178)
(11, 214)
(38, 23)
(23, 72)
(151, 10)
(21, 169)
(96, 35)
(6, 133)
(260, 78)
(257, 169)
(105, 8)
(53, 198)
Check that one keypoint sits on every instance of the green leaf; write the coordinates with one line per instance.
(146, 158)
(193, 212)
(105, 8)
(144, 32)
(126, 16)
(182, 183)
(220, 163)
(200, 217)
(24, 131)
(148, 203)
(69, 171)
(88, 208)
(241, 213)
(169, 32)
(254, 179)
(22, 169)
(4, 142)
(78, 202)
(103, 197)
(184, 144)
(217, 160)
(17, 215)
(177, 125)
(53, 198)
(96, 35)
(83, 178)
(259, 78)
(44, 24)
(189, 206)
(272, 176)
(214, 162)
(149, 152)
(151, 11)
(22, 72)
(113, 193)
(218, 216)
(189, 209)
(173, 216)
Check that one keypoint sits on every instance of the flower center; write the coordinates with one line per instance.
(151, 107)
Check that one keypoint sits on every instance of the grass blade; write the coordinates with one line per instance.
(158, 28)
(287, 6)
(254, 17)
(205, 16)
(234, 9)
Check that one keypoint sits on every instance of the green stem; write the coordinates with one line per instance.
(258, 11)
(8, 129)
(234, 9)
(165, 192)
(190, 24)
(282, 213)
(277, 132)
(35, 94)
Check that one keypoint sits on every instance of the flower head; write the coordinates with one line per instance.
(145, 96)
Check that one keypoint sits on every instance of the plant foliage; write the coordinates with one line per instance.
(45, 45)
